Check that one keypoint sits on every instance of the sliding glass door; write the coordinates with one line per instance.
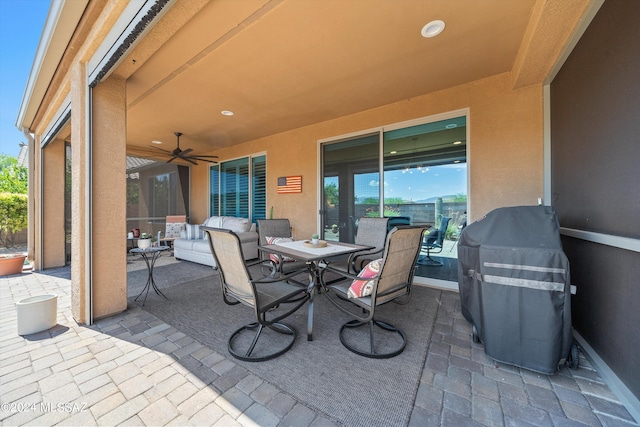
(424, 181)
(351, 177)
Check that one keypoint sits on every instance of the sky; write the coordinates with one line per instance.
(21, 24)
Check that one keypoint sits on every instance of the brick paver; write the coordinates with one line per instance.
(133, 369)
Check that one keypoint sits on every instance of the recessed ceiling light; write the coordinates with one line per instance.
(432, 29)
(457, 143)
(156, 142)
(226, 113)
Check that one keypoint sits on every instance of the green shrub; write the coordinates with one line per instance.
(13, 216)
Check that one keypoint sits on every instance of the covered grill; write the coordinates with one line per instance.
(515, 287)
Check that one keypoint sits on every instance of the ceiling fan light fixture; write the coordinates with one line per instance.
(432, 29)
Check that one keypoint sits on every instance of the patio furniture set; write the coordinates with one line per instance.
(356, 278)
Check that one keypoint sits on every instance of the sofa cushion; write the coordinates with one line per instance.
(213, 221)
(201, 246)
(237, 225)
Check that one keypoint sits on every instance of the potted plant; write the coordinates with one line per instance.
(315, 239)
(144, 241)
(11, 264)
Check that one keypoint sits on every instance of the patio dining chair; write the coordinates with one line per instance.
(269, 299)
(380, 282)
(371, 232)
(272, 231)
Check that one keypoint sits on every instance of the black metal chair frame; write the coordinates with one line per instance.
(393, 283)
(263, 295)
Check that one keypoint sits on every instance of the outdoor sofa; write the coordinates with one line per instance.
(193, 244)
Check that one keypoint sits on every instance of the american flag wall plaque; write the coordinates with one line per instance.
(289, 184)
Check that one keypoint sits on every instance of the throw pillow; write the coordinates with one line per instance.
(276, 240)
(173, 229)
(363, 285)
(237, 225)
(193, 231)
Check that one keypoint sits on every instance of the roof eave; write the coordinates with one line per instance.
(61, 23)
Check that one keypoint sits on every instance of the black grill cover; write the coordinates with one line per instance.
(515, 286)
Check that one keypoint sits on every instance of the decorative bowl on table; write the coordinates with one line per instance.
(320, 244)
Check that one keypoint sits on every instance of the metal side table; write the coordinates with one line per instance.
(150, 255)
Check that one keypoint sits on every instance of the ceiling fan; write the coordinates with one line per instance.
(185, 155)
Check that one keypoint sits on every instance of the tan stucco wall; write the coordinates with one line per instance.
(109, 205)
(53, 204)
(505, 149)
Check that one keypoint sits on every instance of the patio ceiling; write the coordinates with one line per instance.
(281, 65)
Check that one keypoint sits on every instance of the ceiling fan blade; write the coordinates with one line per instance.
(202, 160)
(190, 160)
(187, 151)
(161, 149)
(212, 157)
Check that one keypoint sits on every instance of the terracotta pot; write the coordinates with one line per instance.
(11, 264)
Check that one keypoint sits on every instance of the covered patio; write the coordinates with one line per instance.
(267, 86)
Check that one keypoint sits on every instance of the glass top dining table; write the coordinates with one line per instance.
(313, 255)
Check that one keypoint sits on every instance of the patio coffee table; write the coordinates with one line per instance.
(302, 251)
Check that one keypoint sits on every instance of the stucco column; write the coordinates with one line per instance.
(80, 282)
(109, 249)
(98, 197)
(53, 173)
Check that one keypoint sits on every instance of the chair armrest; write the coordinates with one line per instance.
(358, 259)
(343, 275)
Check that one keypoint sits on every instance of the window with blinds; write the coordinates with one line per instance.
(238, 188)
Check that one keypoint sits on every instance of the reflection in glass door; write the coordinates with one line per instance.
(424, 182)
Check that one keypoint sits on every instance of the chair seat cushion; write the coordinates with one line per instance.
(363, 285)
(274, 241)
